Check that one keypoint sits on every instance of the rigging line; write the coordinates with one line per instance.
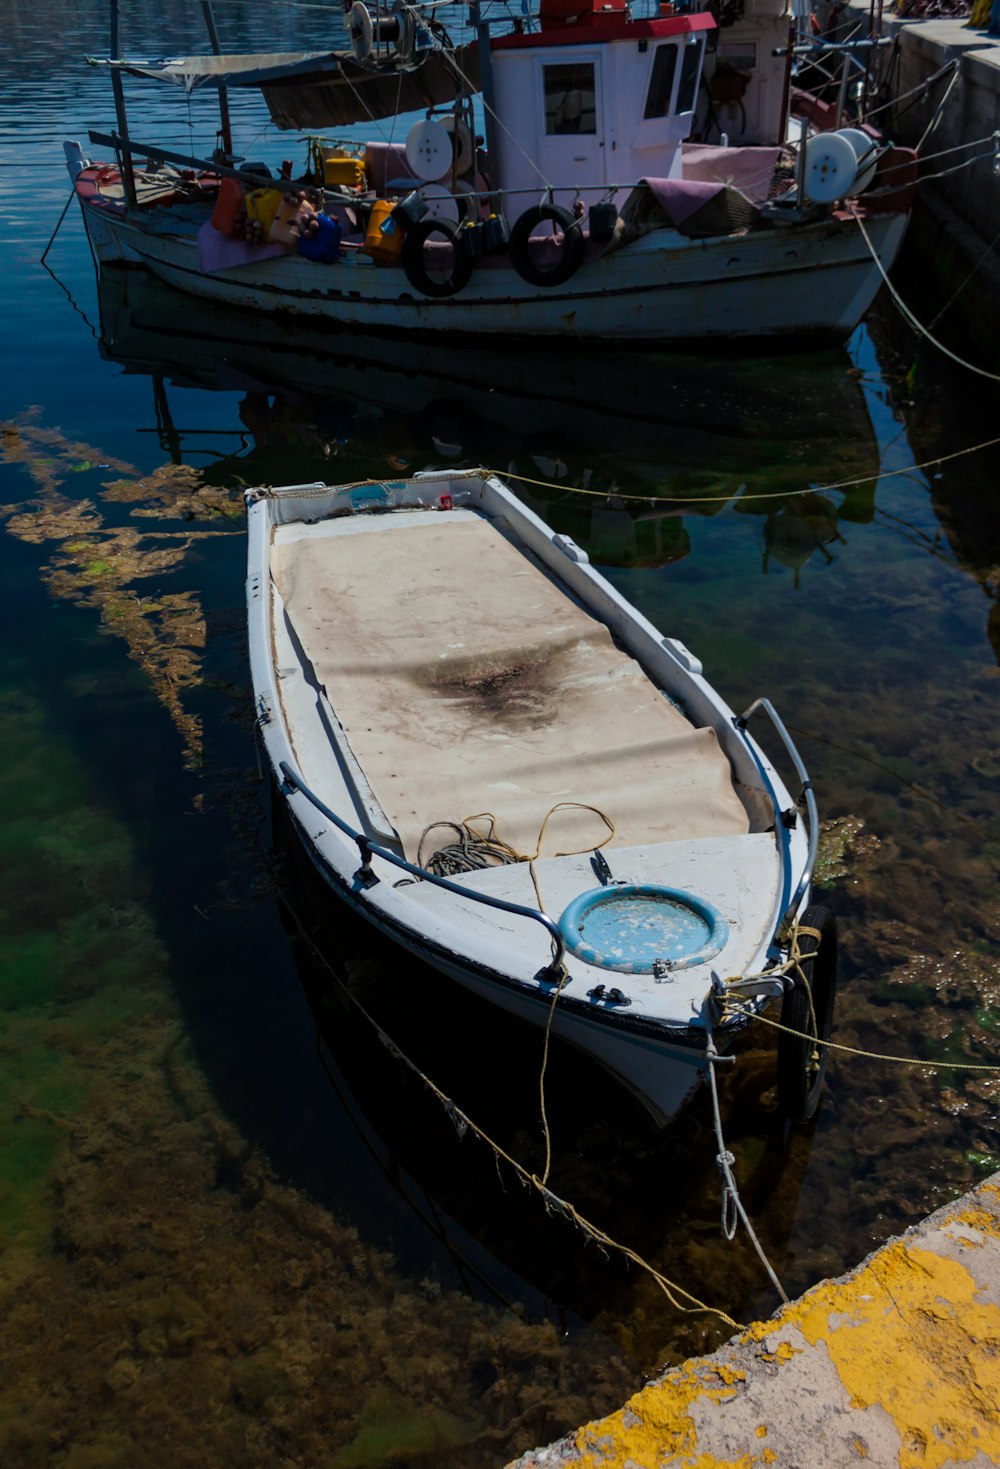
(932, 125)
(957, 148)
(843, 484)
(908, 314)
(65, 210)
(944, 173)
(376, 122)
(450, 61)
(911, 91)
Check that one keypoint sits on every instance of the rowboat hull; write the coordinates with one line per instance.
(488, 930)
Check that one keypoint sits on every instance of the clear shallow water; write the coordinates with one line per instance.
(274, 1252)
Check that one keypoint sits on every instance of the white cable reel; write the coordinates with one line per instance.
(428, 149)
(866, 151)
(361, 30)
(830, 168)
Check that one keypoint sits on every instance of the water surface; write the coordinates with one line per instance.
(229, 1215)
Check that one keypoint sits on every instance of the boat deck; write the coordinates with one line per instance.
(456, 677)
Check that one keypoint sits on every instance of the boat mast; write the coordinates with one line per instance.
(128, 173)
(482, 29)
(225, 125)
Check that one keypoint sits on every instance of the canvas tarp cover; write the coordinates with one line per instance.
(466, 682)
(312, 90)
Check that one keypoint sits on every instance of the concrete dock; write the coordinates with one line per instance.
(895, 1364)
(946, 75)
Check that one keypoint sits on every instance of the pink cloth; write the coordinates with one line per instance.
(680, 198)
(222, 252)
(748, 169)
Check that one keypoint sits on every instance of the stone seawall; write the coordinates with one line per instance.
(955, 231)
(895, 1365)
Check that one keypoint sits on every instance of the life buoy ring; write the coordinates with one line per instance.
(413, 259)
(807, 1008)
(573, 246)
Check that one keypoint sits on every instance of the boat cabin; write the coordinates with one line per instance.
(593, 99)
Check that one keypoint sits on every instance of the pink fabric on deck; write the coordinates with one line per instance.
(680, 198)
(748, 169)
(221, 252)
(385, 161)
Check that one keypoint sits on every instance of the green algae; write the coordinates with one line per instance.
(396, 1431)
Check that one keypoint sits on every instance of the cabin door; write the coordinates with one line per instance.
(573, 122)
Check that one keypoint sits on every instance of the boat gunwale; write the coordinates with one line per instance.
(378, 905)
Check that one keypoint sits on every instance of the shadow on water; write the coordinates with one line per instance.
(406, 1047)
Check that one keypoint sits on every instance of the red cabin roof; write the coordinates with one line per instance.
(601, 25)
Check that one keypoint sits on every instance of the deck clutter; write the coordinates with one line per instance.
(588, 173)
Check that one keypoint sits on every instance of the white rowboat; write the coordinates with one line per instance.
(431, 664)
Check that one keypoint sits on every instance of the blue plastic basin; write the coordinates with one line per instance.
(629, 928)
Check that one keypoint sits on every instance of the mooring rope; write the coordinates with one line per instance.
(680, 1299)
(748, 494)
(865, 1055)
(732, 1204)
(473, 851)
(918, 326)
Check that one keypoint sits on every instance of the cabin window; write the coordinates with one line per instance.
(661, 83)
(570, 99)
(690, 67)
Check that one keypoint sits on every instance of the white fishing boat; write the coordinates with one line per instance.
(507, 769)
(563, 179)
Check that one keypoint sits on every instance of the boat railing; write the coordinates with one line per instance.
(367, 877)
(806, 796)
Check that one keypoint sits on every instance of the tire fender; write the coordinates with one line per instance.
(572, 251)
(413, 259)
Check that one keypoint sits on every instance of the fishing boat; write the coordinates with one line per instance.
(497, 761)
(570, 178)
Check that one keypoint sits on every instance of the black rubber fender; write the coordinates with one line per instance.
(801, 1063)
(413, 259)
(572, 251)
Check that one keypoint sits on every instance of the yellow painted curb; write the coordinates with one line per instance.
(895, 1364)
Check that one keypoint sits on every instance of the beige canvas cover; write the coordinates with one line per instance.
(467, 682)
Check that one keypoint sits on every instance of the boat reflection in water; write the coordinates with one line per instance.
(614, 448)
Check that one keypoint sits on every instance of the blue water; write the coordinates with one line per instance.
(269, 1246)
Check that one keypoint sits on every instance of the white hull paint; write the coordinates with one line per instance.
(655, 1050)
(813, 280)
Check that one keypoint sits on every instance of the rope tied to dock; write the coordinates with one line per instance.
(680, 1299)
(733, 1212)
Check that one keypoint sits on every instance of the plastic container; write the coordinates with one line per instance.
(227, 206)
(324, 246)
(384, 236)
(602, 221)
(411, 210)
(262, 205)
(284, 226)
(496, 235)
(342, 171)
(470, 239)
